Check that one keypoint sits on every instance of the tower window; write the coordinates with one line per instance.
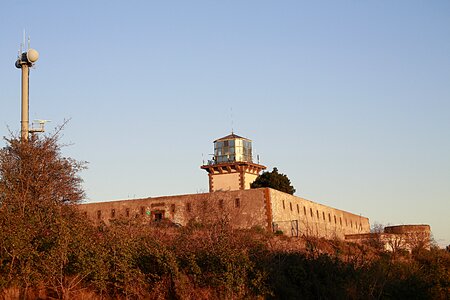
(304, 210)
(221, 203)
(237, 202)
(283, 205)
(323, 215)
(99, 214)
(310, 212)
(317, 213)
(329, 218)
(298, 209)
(113, 213)
(290, 205)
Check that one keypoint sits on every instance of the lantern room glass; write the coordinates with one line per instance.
(232, 150)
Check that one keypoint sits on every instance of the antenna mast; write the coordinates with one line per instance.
(25, 60)
(231, 115)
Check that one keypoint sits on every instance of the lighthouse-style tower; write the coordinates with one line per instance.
(232, 167)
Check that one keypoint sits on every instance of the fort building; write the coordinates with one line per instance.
(230, 173)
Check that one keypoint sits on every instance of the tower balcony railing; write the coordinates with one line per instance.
(215, 161)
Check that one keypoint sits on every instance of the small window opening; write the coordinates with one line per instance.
(304, 210)
(290, 205)
(113, 213)
(298, 209)
(221, 203)
(329, 218)
(99, 214)
(283, 205)
(127, 212)
(237, 202)
(323, 215)
(317, 213)
(310, 212)
(158, 216)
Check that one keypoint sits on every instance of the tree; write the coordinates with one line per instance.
(38, 190)
(274, 180)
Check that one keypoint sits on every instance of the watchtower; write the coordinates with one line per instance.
(232, 167)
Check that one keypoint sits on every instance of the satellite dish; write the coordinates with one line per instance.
(32, 55)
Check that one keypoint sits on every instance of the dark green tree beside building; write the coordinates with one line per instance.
(274, 180)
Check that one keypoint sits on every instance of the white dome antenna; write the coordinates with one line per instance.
(32, 55)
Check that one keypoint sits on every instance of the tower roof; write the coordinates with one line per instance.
(231, 137)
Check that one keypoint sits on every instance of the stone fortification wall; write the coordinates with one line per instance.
(407, 229)
(266, 208)
(399, 237)
(244, 208)
(297, 216)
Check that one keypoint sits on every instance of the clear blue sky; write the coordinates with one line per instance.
(351, 99)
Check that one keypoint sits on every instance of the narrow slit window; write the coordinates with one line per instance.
(237, 202)
(113, 213)
(99, 214)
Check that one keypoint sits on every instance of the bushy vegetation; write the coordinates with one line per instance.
(49, 250)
